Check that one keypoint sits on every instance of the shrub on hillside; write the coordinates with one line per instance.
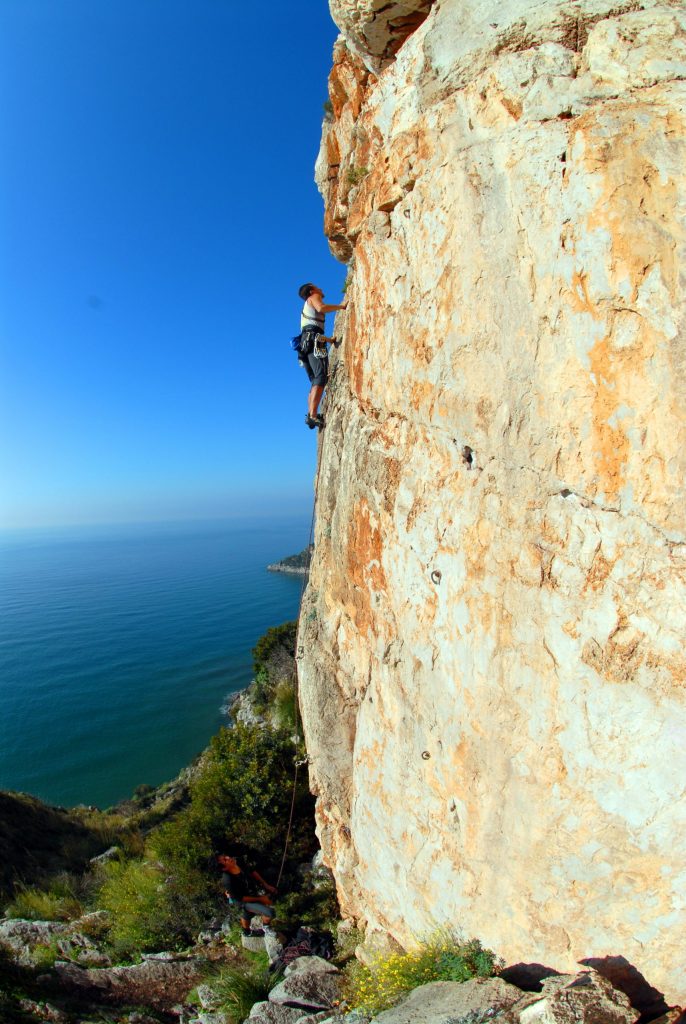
(442, 958)
(273, 664)
(241, 795)
(312, 905)
(275, 650)
(151, 909)
(285, 705)
(135, 896)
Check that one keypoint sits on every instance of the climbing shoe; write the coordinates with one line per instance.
(318, 420)
(256, 933)
(310, 421)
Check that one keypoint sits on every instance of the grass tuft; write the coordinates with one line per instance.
(239, 987)
(58, 903)
(285, 705)
(356, 175)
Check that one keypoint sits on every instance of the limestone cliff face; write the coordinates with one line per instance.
(493, 665)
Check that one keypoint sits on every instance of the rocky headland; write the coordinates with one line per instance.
(298, 565)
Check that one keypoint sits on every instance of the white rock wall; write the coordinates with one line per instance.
(493, 673)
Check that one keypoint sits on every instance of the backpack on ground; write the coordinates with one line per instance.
(306, 942)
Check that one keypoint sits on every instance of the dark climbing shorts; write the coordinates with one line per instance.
(259, 908)
(316, 369)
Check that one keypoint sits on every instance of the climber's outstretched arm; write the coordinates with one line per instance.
(315, 300)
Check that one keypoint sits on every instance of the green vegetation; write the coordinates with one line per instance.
(239, 798)
(242, 794)
(44, 954)
(442, 958)
(273, 663)
(38, 841)
(135, 897)
(346, 944)
(239, 986)
(356, 174)
(61, 902)
(274, 652)
(140, 792)
(162, 886)
(328, 109)
(285, 705)
(313, 904)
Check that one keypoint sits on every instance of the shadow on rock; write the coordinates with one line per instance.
(649, 1002)
(528, 977)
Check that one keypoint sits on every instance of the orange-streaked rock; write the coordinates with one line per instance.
(493, 679)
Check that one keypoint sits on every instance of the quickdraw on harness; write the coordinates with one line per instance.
(309, 342)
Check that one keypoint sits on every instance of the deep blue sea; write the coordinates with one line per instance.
(119, 646)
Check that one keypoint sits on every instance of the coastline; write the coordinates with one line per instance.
(294, 565)
(289, 569)
(149, 632)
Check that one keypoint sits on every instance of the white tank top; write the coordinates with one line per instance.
(310, 317)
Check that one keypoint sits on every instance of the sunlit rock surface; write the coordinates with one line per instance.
(376, 29)
(492, 670)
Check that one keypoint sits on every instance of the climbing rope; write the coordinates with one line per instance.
(296, 738)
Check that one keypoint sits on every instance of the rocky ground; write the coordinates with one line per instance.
(83, 987)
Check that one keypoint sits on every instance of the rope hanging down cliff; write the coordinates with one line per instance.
(296, 736)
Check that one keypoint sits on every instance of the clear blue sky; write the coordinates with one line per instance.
(157, 215)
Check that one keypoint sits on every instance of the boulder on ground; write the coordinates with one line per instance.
(207, 997)
(271, 1013)
(585, 998)
(43, 1011)
(27, 941)
(311, 989)
(158, 983)
(316, 1018)
(273, 944)
(453, 1002)
(644, 997)
(104, 858)
(310, 965)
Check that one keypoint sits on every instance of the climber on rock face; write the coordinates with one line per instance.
(314, 355)
(240, 887)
